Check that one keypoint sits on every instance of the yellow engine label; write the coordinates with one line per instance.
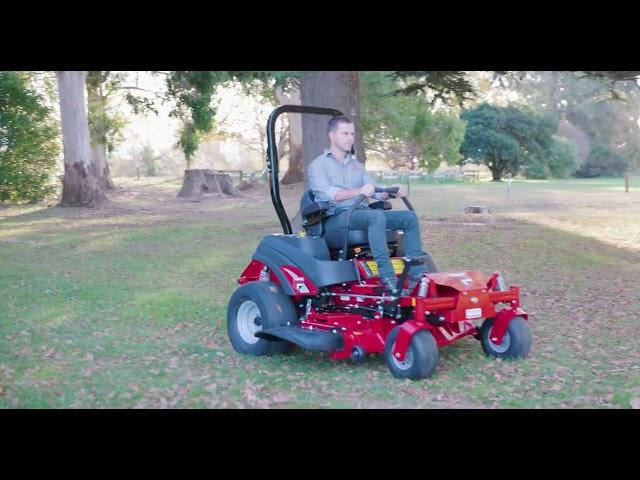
(397, 263)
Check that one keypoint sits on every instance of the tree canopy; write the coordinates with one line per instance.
(506, 139)
(28, 141)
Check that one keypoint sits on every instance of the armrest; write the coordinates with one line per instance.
(314, 213)
(314, 209)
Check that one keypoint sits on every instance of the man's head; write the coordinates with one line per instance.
(341, 133)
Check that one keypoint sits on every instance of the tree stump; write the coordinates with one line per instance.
(477, 209)
(200, 181)
(246, 185)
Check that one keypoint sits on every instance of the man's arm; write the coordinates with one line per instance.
(346, 194)
(367, 178)
(323, 190)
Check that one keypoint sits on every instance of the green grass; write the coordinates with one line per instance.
(127, 309)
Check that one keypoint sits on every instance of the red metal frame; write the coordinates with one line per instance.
(453, 308)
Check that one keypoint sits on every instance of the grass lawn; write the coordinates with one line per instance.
(125, 306)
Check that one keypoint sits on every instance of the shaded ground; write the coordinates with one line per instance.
(124, 306)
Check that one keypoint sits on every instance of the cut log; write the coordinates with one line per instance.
(201, 181)
(246, 185)
(477, 209)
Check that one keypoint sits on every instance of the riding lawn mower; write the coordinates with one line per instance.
(320, 290)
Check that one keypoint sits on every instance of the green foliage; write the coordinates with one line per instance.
(264, 83)
(589, 101)
(148, 160)
(192, 92)
(559, 161)
(506, 138)
(105, 125)
(189, 140)
(603, 161)
(562, 159)
(28, 135)
(613, 124)
(403, 128)
(449, 87)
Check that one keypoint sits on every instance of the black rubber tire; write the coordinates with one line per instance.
(276, 309)
(519, 338)
(424, 349)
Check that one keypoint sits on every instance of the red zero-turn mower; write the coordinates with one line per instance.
(319, 290)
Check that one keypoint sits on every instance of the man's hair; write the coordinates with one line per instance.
(335, 121)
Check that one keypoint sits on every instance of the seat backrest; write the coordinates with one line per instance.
(310, 208)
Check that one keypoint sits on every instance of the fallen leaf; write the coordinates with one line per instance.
(280, 397)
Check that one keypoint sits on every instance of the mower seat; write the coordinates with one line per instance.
(357, 238)
(313, 213)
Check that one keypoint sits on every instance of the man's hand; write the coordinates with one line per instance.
(367, 190)
(402, 192)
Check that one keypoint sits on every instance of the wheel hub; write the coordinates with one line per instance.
(249, 321)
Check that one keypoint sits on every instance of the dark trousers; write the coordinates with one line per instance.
(375, 222)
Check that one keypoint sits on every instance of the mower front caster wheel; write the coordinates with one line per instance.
(420, 360)
(516, 341)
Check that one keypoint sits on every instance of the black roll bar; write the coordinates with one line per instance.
(272, 155)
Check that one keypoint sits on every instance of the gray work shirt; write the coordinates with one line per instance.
(328, 175)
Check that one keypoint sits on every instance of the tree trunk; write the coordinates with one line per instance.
(98, 140)
(497, 169)
(295, 173)
(332, 90)
(199, 181)
(80, 187)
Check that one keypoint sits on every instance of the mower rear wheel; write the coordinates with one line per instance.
(420, 360)
(516, 342)
(258, 306)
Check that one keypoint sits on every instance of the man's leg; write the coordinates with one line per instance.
(407, 220)
(374, 222)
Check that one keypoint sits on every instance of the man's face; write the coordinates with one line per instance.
(342, 137)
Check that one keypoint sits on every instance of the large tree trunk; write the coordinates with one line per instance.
(98, 139)
(295, 173)
(80, 187)
(332, 90)
(496, 171)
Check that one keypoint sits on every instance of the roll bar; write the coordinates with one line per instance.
(272, 155)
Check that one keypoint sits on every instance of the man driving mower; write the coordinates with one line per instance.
(338, 178)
